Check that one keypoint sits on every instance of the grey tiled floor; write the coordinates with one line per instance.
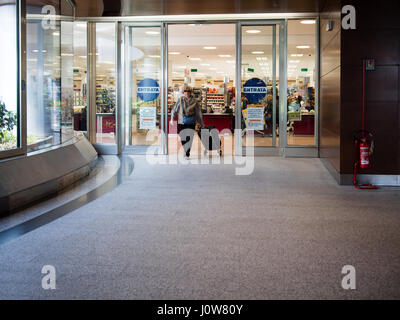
(201, 232)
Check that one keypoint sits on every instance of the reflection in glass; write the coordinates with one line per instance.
(8, 80)
(49, 68)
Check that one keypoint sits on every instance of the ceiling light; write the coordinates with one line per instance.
(56, 33)
(35, 50)
(153, 56)
(174, 52)
(261, 58)
(307, 21)
(194, 59)
(302, 47)
(294, 61)
(253, 31)
(297, 55)
(83, 57)
(258, 52)
(205, 64)
(210, 48)
(230, 61)
(153, 32)
(225, 55)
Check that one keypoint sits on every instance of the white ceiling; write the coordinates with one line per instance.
(190, 39)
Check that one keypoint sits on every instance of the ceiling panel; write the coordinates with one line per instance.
(178, 7)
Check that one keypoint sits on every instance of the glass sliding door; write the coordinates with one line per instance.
(259, 84)
(144, 113)
(301, 82)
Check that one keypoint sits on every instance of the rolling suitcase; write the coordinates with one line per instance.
(210, 139)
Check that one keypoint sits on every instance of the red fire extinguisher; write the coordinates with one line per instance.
(364, 144)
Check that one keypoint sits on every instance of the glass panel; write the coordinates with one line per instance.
(67, 83)
(49, 76)
(258, 109)
(8, 80)
(80, 76)
(301, 83)
(105, 83)
(145, 71)
(203, 57)
(43, 85)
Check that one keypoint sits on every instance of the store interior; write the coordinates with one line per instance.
(202, 56)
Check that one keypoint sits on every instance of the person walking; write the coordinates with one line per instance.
(188, 110)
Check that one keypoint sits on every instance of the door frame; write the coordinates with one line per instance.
(282, 25)
(282, 149)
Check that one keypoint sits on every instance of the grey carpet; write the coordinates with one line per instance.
(201, 232)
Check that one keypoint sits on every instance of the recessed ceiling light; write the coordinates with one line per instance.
(210, 48)
(174, 52)
(258, 52)
(154, 56)
(152, 32)
(225, 55)
(302, 47)
(307, 21)
(205, 64)
(56, 33)
(194, 59)
(253, 31)
(261, 58)
(294, 61)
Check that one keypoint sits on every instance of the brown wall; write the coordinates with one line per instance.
(330, 84)
(377, 36)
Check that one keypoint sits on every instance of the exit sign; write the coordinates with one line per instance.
(250, 70)
(193, 70)
(304, 69)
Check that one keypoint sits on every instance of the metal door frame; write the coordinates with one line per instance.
(126, 78)
(282, 24)
(282, 149)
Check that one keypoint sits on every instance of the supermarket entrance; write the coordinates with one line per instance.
(238, 72)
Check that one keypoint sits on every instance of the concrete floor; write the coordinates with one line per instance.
(201, 232)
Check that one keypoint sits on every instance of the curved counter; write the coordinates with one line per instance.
(34, 176)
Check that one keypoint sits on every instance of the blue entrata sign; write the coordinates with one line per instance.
(255, 90)
(148, 89)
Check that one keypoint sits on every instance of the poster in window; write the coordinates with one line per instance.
(147, 118)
